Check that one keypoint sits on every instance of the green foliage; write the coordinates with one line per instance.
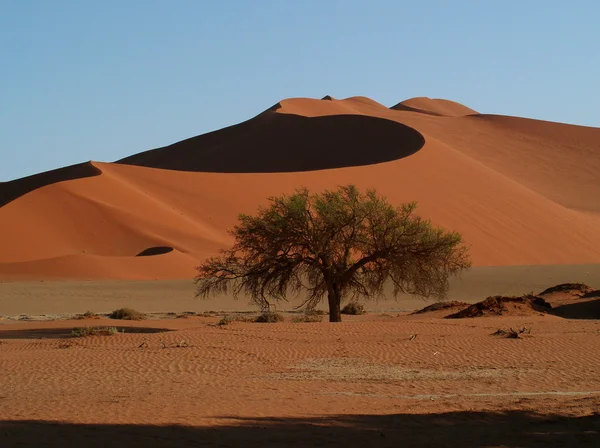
(353, 308)
(127, 314)
(336, 244)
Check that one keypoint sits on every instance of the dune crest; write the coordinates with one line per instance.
(437, 107)
(9, 191)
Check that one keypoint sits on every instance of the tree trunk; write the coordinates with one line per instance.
(335, 300)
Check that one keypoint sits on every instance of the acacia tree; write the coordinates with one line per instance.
(340, 244)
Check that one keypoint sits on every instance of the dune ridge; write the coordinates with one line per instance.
(437, 107)
(522, 192)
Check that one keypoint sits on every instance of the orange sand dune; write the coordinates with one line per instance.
(438, 107)
(521, 191)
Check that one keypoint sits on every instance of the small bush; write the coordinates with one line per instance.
(307, 318)
(226, 320)
(87, 315)
(353, 308)
(269, 317)
(512, 333)
(81, 332)
(315, 312)
(230, 318)
(127, 314)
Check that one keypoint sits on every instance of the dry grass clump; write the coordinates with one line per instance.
(87, 315)
(511, 333)
(270, 317)
(266, 317)
(226, 320)
(314, 312)
(307, 318)
(81, 332)
(127, 314)
(353, 308)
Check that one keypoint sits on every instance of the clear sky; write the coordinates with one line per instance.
(100, 80)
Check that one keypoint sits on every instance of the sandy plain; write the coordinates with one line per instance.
(383, 379)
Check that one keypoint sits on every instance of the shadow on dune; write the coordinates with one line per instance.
(464, 429)
(156, 250)
(584, 309)
(9, 191)
(60, 333)
(275, 142)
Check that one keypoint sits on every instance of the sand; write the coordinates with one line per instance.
(522, 192)
(361, 381)
(100, 236)
(47, 299)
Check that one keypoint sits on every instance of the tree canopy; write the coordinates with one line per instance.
(341, 244)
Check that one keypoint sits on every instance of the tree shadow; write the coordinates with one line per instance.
(62, 333)
(454, 429)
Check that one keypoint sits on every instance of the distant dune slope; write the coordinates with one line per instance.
(438, 107)
(522, 192)
(9, 191)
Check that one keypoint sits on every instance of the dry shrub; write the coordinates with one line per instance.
(307, 318)
(511, 333)
(313, 312)
(87, 315)
(127, 314)
(353, 308)
(269, 317)
(226, 320)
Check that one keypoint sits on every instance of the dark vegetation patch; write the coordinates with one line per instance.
(60, 333)
(81, 332)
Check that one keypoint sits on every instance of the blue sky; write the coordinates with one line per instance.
(100, 80)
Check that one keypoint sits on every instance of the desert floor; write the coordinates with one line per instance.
(187, 381)
(49, 300)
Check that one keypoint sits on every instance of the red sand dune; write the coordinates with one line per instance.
(438, 107)
(521, 191)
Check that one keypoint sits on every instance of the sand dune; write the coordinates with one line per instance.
(522, 192)
(438, 107)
